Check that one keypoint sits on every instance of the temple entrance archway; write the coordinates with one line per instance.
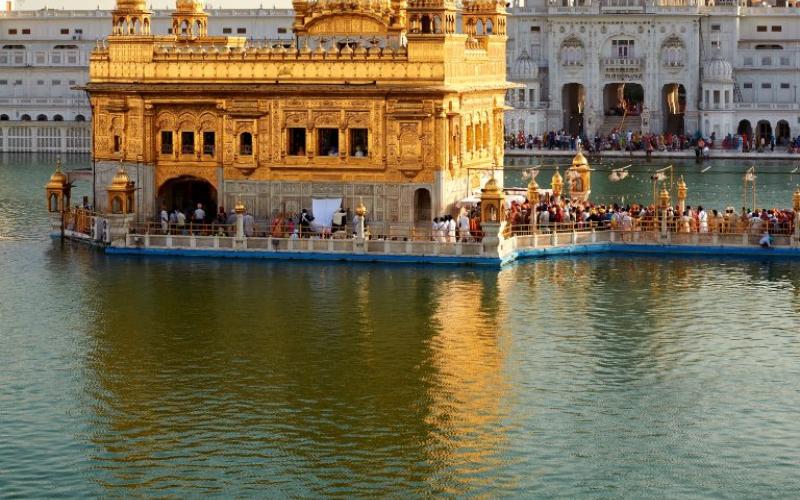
(573, 96)
(745, 129)
(184, 193)
(673, 102)
(764, 129)
(783, 133)
(623, 98)
(422, 205)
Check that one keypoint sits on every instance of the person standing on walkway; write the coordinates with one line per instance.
(199, 214)
(164, 217)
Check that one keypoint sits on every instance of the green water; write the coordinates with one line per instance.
(574, 377)
(715, 183)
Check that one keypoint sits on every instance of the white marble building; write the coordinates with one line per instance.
(678, 65)
(45, 53)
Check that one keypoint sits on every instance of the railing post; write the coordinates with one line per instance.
(553, 237)
(574, 237)
(594, 235)
(168, 240)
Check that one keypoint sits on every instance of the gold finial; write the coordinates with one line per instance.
(663, 197)
(239, 208)
(681, 189)
(796, 200)
(361, 210)
(533, 191)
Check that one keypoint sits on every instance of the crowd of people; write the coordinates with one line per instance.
(630, 141)
(584, 215)
(523, 217)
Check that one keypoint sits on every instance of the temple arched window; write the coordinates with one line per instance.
(426, 23)
(80, 118)
(41, 118)
(246, 144)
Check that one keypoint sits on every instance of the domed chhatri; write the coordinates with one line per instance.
(120, 193)
(525, 68)
(492, 202)
(57, 190)
(718, 69)
(580, 178)
(557, 183)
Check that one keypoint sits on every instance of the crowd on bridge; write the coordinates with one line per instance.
(561, 213)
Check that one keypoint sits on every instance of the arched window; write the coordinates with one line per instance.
(479, 27)
(116, 205)
(4, 118)
(80, 118)
(246, 144)
(489, 27)
(426, 23)
(25, 118)
(41, 118)
(58, 118)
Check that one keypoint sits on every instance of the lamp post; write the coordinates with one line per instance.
(664, 203)
(240, 211)
(682, 195)
(749, 183)
(796, 208)
(533, 199)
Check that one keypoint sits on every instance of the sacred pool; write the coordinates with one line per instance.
(605, 376)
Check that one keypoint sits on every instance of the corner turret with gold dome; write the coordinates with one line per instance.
(385, 100)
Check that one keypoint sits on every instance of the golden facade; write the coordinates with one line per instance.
(374, 99)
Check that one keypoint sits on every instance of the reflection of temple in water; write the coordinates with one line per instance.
(296, 364)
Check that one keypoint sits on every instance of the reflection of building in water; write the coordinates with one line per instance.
(305, 362)
(468, 396)
(385, 102)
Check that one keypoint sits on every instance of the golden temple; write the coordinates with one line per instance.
(397, 103)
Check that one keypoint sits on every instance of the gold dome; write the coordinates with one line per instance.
(580, 161)
(239, 208)
(121, 180)
(491, 186)
(58, 179)
(533, 184)
(131, 5)
(796, 200)
(557, 179)
(189, 6)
